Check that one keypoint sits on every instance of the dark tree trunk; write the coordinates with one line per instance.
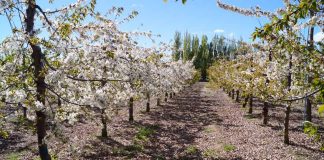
(158, 101)
(24, 109)
(286, 131)
(233, 94)
(148, 103)
(250, 104)
(37, 57)
(25, 112)
(131, 109)
(237, 96)
(246, 99)
(308, 104)
(265, 113)
(170, 95)
(104, 132)
(166, 97)
(41, 133)
(286, 124)
(266, 104)
(308, 110)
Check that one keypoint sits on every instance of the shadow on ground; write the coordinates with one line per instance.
(177, 126)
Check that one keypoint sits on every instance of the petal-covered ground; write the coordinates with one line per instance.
(198, 123)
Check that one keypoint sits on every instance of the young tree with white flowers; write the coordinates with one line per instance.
(285, 61)
(74, 61)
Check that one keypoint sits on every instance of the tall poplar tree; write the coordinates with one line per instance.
(187, 47)
(176, 53)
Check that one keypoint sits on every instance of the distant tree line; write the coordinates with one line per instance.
(189, 47)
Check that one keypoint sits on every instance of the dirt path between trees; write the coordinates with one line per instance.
(201, 123)
(198, 123)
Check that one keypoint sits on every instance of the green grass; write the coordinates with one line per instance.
(249, 116)
(53, 157)
(144, 133)
(141, 137)
(208, 130)
(159, 157)
(129, 151)
(134, 148)
(13, 156)
(210, 153)
(191, 149)
(229, 147)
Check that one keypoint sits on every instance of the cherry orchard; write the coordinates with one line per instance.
(77, 62)
(285, 65)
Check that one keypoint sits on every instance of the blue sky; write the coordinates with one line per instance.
(196, 16)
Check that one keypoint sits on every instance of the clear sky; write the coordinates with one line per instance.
(196, 16)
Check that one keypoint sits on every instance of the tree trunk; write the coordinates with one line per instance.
(25, 112)
(41, 133)
(265, 113)
(39, 78)
(148, 103)
(286, 124)
(233, 94)
(250, 104)
(307, 103)
(237, 96)
(286, 131)
(166, 97)
(104, 132)
(131, 109)
(158, 101)
(308, 110)
(170, 95)
(24, 109)
(246, 99)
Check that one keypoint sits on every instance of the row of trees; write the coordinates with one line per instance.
(76, 61)
(203, 53)
(284, 66)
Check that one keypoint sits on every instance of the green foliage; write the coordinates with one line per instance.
(202, 52)
(187, 54)
(229, 147)
(13, 156)
(65, 30)
(110, 54)
(321, 109)
(176, 53)
(4, 134)
(201, 59)
(311, 130)
(139, 140)
(196, 78)
(144, 133)
(191, 149)
(210, 153)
